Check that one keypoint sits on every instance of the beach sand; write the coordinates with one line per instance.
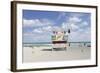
(44, 54)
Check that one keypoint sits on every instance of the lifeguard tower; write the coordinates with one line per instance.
(60, 39)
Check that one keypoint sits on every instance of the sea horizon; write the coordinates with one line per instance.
(51, 42)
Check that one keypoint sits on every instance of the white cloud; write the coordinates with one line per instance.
(47, 28)
(84, 23)
(26, 34)
(34, 37)
(73, 26)
(37, 22)
(38, 30)
(77, 36)
(47, 22)
(72, 23)
(34, 22)
(75, 19)
(44, 29)
(80, 35)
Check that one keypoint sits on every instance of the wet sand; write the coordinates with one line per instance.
(45, 53)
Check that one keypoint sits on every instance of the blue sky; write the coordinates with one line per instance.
(38, 25)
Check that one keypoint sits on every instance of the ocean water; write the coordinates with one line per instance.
(71, 44)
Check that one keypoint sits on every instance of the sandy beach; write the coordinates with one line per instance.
(45, 53)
